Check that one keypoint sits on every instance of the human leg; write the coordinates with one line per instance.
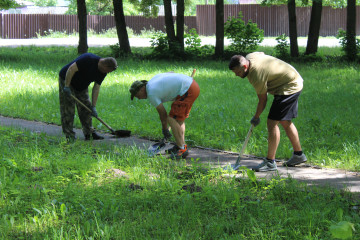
(67, 112)
(85, 115)
(298, 156)
(178, 130)
(273, 138)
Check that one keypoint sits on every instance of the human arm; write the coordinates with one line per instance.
(70, 74)
(259, 109)
(94, 96)
(163, 118)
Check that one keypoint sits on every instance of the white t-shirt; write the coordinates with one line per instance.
(166, 87)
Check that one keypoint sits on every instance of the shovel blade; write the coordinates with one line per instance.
(232, 167)
(122, 133)
(156, 148)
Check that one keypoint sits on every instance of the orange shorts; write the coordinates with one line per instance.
(181, 107)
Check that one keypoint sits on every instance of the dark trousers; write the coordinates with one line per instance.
(67, 110)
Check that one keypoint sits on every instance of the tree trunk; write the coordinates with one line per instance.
(351, 51)
(219, 45)
(169, 24)
(294, 48)
(180, 10)
(121, 27)
(314, 28)
(82, 13)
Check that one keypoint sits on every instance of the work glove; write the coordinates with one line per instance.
(255, 121)
(94, 112)
(166, 133)
(67, 91)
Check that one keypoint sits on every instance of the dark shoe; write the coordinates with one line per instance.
(181, 153)
(94, 136)
(174, 149)
(295, 160)
(265, 166)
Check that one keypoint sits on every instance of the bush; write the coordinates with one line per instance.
(344, 43)
(245, 37)
(282, 48)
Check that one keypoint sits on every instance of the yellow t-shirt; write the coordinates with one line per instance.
(271, 75)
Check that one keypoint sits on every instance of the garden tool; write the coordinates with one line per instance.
(234, 167)
(117, 133)
(158, 147)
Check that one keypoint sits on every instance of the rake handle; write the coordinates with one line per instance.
(86, 107)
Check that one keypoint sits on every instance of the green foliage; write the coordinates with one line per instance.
(245, 37)
(50, 189)
(347, 48)
(282, 48)
(148, 7)
(29, 75)
(44, 3)
(192, 40)
(6, 4)
(342, 229)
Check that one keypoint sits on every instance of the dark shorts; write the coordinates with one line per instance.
(284, 107)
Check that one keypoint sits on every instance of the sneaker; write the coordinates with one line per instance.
(181, 153)
(295, 160)
(174, 149)
(94, 136)
(265, 166)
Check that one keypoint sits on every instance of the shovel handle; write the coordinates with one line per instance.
(82, 104)
(193, 73)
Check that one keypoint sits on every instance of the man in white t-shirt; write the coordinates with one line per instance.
(165, 87)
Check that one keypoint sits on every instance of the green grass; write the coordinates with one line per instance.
(53, 190)
(328, 107)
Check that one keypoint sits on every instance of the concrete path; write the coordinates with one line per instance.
(137, 42)
(314, 176)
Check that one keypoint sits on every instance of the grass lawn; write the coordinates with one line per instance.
(53, 190)
(328, 107)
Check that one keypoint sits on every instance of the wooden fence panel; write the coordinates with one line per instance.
(273, 20)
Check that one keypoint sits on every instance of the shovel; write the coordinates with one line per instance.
(234, 167)
(117, 133)
(158, 147)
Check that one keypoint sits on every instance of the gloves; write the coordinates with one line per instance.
(94, 112)
(67, 91)
(255, 121)
(166, 133)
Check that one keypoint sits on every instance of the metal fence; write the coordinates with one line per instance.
(273, 20)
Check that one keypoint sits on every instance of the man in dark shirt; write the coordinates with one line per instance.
(74, 79)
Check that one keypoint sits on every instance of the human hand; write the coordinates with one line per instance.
(94, 112)
(166, 133)
(67, 91)
(255, 121)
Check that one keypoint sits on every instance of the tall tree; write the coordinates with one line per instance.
(219, 45)
(350, 49)
(180, 21)
(121, 27)
(81, 8)
(314, 27)
(294, 48)
(169, 25)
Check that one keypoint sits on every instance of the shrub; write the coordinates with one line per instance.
(344, 43)
(245, 37)
(282, 48)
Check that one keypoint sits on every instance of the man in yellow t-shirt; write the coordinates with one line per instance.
(268, 74)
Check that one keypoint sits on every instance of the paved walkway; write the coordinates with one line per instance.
(314, 176)
(137, 42)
